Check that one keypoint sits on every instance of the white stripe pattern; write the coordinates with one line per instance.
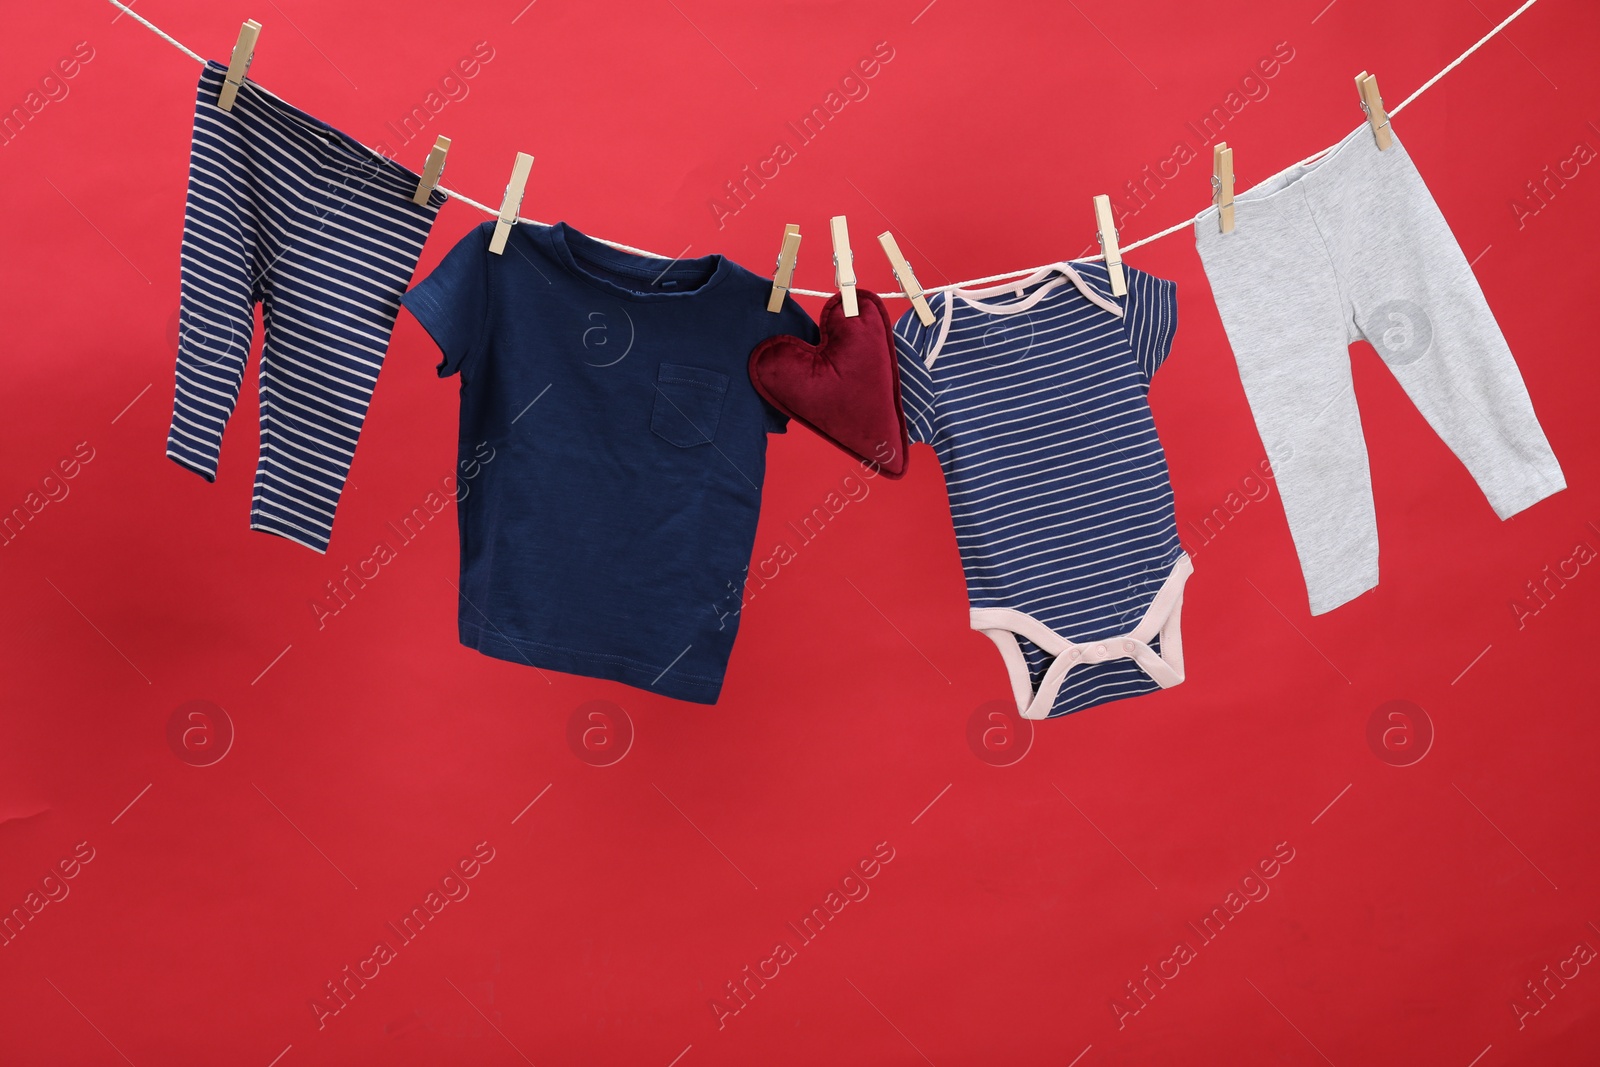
(1058, 485)
(285, 211)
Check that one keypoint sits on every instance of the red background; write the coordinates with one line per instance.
(372, 755)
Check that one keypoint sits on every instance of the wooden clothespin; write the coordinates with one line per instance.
(1372, 104)
(431, 170)
(511, 203)
(784, 275)
(907, 279)
(1107, 232)
(1222, 184)
(243, 51)
(844, 266)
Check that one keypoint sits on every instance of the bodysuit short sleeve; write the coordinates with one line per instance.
(1150, 317)
(911, 342)
(452, 303)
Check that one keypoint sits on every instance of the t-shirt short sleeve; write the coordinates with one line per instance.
(1150, 318)
(452, 303)
(794, 321)
(911, 341)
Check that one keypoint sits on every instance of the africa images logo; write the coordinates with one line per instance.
(1401, 332)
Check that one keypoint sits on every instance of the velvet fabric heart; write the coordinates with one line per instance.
(846, 387)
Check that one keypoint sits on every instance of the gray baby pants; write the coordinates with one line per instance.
(1352, 247)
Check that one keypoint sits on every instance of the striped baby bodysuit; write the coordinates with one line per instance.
(1034, 397)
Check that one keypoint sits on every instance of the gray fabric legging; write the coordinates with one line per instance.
(1347, 248)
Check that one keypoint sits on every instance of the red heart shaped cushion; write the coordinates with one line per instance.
(846, 387)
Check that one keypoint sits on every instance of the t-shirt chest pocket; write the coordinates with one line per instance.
(688, 404)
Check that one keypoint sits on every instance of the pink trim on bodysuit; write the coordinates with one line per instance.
(1024, 301)
(1003, 625)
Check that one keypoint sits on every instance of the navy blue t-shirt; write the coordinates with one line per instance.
(612, 451)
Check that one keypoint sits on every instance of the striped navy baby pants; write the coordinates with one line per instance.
(285, 211)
